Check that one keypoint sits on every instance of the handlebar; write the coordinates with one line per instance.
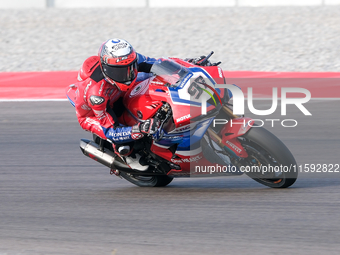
(206, 58)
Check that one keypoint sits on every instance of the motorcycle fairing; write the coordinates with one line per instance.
(140, 105)
(188, 150)
(185, 104)
(186, 140)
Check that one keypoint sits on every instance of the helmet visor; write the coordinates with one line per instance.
(122, 74)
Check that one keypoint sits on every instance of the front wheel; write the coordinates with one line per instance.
(269, 161)
(147, 181)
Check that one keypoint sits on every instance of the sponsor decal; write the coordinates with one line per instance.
(185, 80)
(186, 160)
(96, 100)
(118, 46)
(136, 136)
(93, 157)
(188, 116)
(181, 129)
(119, 134)
(233, 146)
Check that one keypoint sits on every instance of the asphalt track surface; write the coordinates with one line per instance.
(54, 200)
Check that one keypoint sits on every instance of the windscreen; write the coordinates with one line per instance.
(169, 72)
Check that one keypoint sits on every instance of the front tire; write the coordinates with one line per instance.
(265, 149)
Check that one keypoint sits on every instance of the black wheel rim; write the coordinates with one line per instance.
(257, 157)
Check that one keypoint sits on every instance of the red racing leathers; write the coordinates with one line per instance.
(95, 98)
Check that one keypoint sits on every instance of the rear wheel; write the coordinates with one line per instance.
(147, 181)
(269, 161)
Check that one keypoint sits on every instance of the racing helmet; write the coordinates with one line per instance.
(118, 61)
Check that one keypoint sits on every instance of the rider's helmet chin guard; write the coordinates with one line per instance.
(118, 61)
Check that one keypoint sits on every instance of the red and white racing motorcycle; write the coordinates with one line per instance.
(188, 142)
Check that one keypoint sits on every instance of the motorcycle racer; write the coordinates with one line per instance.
(103, 81)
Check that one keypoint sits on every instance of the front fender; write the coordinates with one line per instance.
(233, 129)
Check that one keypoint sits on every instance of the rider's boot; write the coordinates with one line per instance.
(132, 159)
(134, 162)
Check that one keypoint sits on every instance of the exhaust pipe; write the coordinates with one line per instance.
(106, 157)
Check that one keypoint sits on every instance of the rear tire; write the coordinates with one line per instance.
(147, 181)
(266, 149)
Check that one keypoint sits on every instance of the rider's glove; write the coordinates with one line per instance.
(136, 133)
(148, 127)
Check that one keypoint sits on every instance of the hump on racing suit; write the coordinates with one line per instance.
(95, 98)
